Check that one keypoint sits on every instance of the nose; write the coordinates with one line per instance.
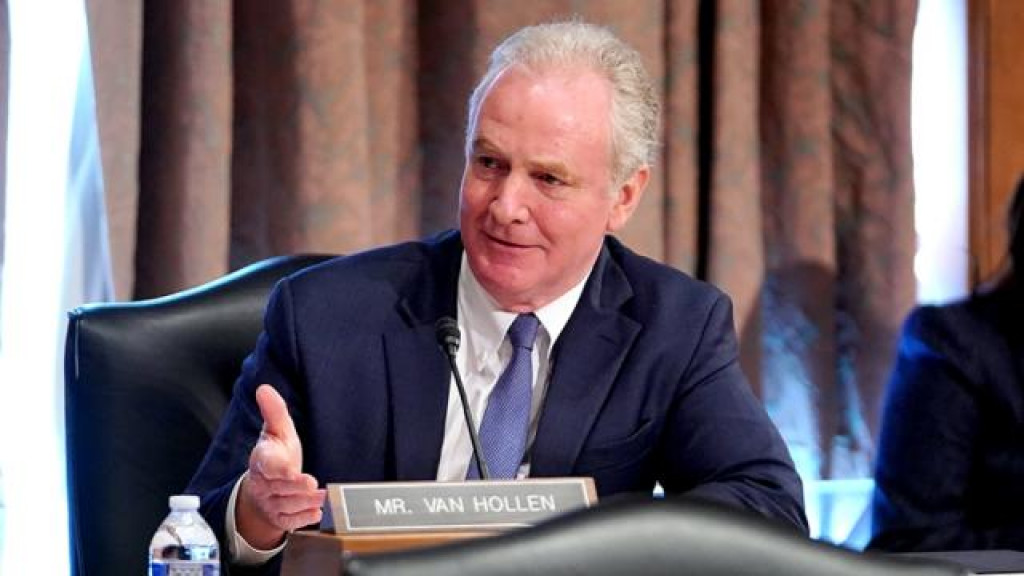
(510, 203)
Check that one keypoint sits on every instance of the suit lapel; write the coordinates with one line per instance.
(418, 374)
(585, 364)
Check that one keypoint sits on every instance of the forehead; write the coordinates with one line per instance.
(556, 107)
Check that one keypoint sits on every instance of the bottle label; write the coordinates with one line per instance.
(184, 569)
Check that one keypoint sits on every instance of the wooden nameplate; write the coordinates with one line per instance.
(384, 517)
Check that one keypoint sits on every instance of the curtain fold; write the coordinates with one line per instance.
(5, 63)
(5, 59)
(334, 126)
(186, 147)
(115, 40)
(876, 241)
(799, 307)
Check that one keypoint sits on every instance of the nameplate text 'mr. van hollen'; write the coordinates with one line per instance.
(426, 506)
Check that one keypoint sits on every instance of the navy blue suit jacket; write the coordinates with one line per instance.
(950, 468)
(645, 384)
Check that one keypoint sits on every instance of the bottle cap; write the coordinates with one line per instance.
(184, 502)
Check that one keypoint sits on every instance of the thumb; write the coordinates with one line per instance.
(276, 420)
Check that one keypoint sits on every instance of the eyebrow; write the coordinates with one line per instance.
(484, 145)
(555, 168)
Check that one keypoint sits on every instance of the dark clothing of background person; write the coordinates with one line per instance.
(950, 467)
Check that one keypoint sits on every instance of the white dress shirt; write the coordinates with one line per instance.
(482, 355)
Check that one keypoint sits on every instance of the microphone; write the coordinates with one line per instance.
(448, 338)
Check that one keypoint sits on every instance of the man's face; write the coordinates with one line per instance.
(537, 196)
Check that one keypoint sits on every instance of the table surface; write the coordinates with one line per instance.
(981, 561)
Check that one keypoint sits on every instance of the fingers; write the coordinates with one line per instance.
(276, 420)
(267, 509)
(294, 505)
(302, 484)
(277, 505)
(286, 504)
(292, 522)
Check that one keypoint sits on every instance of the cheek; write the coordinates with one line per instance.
(573, 224)
(471, 201)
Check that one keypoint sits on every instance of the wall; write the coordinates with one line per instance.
(996, 133)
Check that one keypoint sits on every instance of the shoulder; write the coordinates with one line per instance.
(967, 339)
(364, 287)
(378, 268)
(660, 290)
(950, 327)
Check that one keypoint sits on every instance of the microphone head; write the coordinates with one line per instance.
(447, 332)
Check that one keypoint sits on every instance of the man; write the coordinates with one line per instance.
(632, 365)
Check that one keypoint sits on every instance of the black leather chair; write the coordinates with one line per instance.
(645, 538)
(145, 386)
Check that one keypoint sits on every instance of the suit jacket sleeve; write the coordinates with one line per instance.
(721, 445)
(274, 361)
(930, 441)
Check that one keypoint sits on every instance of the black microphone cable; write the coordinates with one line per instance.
(448, 338)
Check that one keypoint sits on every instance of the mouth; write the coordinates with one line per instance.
(505, 243)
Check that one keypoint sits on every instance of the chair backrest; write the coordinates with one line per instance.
(146, 384)
(645, 538)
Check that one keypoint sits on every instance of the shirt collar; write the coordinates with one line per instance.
(485, 325)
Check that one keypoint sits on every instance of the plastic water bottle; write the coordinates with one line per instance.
(184, 544)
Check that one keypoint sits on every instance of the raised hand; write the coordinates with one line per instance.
(275, 496)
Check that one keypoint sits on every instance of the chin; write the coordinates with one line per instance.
(502, 284)
(500, 279)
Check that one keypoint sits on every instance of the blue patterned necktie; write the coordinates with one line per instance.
(507, 418)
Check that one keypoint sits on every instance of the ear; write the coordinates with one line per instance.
(627, 198)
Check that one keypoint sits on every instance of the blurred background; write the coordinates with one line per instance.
(828, 163)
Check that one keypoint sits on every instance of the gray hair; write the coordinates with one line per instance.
(635, 110)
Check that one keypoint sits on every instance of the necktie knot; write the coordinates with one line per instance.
(523, 331)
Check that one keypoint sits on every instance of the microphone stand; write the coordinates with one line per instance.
(448, 337)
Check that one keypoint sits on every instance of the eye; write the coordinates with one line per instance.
(550, 179)
(488, 162)
(486, 167)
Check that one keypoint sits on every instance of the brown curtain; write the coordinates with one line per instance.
(5, 60)
(233, 131)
